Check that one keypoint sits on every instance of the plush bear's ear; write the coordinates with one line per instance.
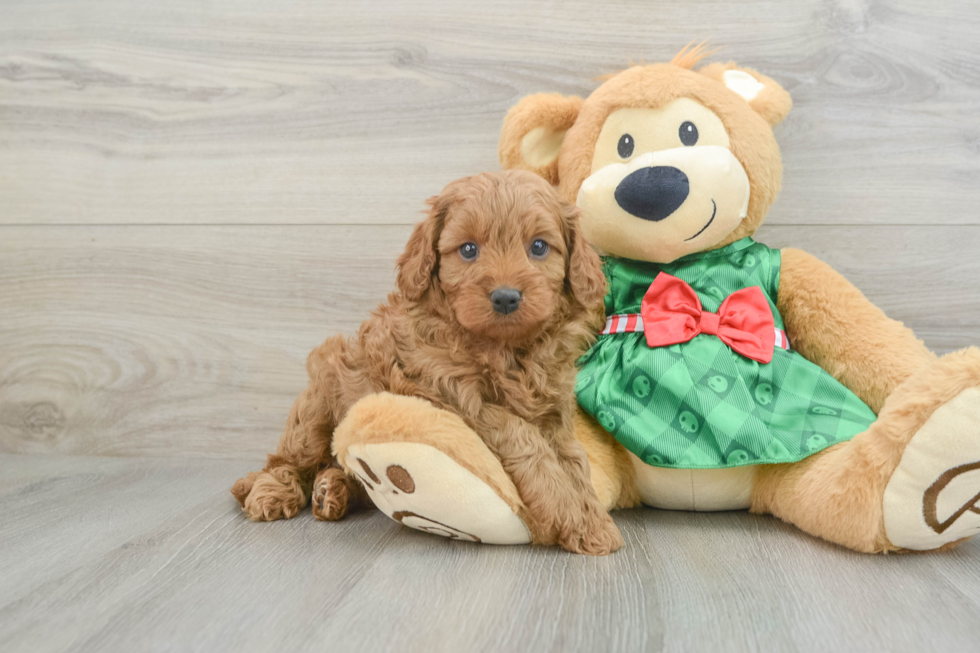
(765, 96)
(534, 130)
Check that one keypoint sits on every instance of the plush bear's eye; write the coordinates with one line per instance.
(468, 251)
(688, 133)
(625, 146)
(539, 248)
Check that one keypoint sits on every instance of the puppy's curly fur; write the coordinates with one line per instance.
(509, 376)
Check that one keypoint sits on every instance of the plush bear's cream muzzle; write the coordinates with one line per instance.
(664, 205)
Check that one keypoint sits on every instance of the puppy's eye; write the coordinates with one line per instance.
(626, 145)
(688, 133)
(539, 248)
(468, 251)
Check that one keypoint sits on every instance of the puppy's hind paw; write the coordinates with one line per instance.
(331, 495)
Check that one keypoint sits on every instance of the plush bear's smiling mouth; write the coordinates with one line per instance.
(714, 212)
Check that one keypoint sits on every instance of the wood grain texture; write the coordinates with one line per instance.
(188, 341)
(193, 195)
(114, 554)
(347, 113)
(153, 339)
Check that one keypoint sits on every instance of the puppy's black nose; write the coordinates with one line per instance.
(653, 193)
(505, 300)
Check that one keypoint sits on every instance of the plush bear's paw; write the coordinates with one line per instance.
(423, 488)
(933, 497)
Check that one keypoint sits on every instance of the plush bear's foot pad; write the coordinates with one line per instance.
(933, 497)
(421, 487)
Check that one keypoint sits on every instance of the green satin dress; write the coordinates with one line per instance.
(698, 404)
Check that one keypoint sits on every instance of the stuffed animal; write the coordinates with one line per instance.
(729, 375)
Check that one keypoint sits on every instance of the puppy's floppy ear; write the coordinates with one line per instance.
(418, 263)
(533, 133)
(583, 270)
(764, 95)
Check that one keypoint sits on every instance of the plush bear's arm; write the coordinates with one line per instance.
(833, 325)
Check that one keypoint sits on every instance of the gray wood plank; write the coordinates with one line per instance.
(63, 514)
(251, 112)
(188, 341)
(202, 578)
(173, 341)
(104, 328)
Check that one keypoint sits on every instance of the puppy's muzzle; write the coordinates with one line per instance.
(653, 193)
(505, 300)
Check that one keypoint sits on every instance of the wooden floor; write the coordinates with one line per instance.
(193, 195)
(143, 554)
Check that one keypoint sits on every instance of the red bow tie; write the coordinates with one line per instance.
(672, 314)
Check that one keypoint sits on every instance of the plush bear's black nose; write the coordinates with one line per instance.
(505, 300)
(653, 193)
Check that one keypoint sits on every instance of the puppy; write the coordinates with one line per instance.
(498, 294)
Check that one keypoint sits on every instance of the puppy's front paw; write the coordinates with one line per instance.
(271, 506)
(597, 536)
(242, 487)
(270, 494)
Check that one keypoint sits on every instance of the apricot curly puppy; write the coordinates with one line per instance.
(498, 294)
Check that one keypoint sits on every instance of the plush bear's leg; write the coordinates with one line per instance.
(425, 468)
(910, 482)
(613, 475)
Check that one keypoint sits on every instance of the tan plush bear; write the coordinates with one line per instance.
(729, 375)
